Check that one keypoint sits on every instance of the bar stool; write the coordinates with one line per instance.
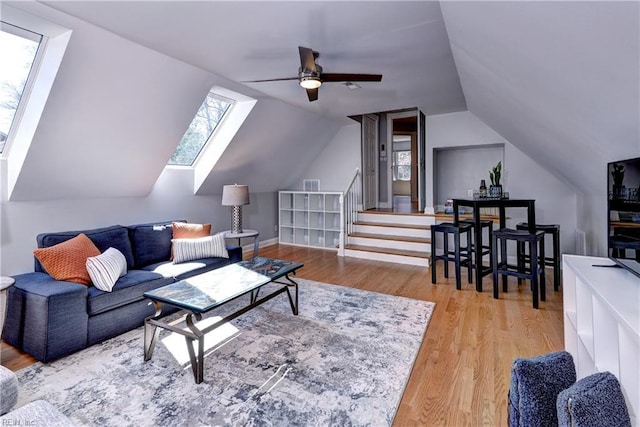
(484, 223)
(534, 272)
(460, 255)
(551, 261)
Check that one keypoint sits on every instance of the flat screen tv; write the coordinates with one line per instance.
(623, 204)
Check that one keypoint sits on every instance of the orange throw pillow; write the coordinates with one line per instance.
(185, 230)
(67, 261)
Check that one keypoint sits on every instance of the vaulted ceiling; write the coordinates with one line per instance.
(559, 80)
(406, 42)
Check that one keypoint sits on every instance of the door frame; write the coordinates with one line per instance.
(370, 160)
(390, 118)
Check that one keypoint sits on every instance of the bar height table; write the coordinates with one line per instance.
(501, 204)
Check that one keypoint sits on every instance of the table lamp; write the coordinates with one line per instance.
(235, 196)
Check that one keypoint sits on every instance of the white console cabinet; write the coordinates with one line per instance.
(310, 218)
(602, 322)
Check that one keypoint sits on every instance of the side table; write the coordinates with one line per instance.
(5, 283)
(245, 233)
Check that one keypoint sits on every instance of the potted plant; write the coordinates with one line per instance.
(618, 177)
(494, 174)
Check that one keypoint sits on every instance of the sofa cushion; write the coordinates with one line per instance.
(115, 236)
(187, 269)
(129, 288)
(106, 268)
(67, 260)
(151, 242)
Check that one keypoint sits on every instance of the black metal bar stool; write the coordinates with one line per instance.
(534, 272)
(460, 255)
(551, 261)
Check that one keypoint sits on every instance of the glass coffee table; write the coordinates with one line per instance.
(204, 292)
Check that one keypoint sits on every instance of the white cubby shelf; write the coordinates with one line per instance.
(310, 218)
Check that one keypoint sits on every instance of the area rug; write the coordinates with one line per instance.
(344, 360)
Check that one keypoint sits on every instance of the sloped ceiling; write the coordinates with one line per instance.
(559, 80)
(249, 40)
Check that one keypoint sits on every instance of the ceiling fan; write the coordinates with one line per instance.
(311, 77)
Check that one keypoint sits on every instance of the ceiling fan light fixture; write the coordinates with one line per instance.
(310, 82)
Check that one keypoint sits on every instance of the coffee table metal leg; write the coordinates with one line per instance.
(254, 296)
(151, 333)
(293, 301)
(197, 362)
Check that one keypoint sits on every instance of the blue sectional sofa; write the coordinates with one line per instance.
(50, 319)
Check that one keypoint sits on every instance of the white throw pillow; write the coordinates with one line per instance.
(201, 247)
(106, 268)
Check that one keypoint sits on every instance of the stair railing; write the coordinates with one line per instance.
(350, 202)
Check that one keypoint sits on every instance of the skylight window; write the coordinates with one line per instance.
(211, 112)
(18, 49)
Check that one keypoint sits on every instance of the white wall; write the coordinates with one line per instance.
(337, 163)
(556, 201)
(451, 181)
(171, 198)
(592, 218)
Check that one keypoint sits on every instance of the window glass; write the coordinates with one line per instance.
(204, 124)
(402, 165)
(18, 48)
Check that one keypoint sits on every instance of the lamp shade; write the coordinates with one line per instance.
(235, 195)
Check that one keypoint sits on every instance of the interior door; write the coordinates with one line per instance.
(369, 162)
(422, 161)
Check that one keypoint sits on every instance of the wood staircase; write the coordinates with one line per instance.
(403, 238)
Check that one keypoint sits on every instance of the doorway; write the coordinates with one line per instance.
(404, 162)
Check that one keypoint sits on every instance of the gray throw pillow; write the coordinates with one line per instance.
(594, 401)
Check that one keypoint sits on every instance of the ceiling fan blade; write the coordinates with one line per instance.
(307, 59)
(337, 77)
(312, 94)
(270, 80)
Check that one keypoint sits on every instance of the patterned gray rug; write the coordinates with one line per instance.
(344, 360)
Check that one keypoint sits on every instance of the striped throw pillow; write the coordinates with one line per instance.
(106, 268)
(202, 247)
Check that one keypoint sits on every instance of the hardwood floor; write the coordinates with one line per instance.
(462, 370)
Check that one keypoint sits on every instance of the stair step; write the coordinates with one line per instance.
(390, 225)
(392, 214)
(392, 238)
(396, 218)
(401, 252)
